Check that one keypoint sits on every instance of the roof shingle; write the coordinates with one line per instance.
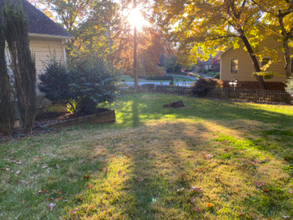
(39, 23)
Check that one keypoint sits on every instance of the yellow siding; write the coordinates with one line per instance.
(40, 47)
(245, 65)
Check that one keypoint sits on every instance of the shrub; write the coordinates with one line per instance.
(203, 86)
(83, 86)
(93, 83)
(205, 71)
(55, 83)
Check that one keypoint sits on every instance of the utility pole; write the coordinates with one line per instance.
(110, 44)
(134, 53)
(109, 35)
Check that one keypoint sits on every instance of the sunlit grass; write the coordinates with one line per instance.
(143, 166)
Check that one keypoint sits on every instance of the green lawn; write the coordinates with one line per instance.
(180, 79)
(211, 160)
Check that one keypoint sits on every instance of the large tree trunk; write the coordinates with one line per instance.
(287, 57)
(6, 91)
(254, 61)
(134, 54)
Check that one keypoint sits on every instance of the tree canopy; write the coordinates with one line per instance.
(203, 27)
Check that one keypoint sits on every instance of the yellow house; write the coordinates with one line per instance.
(236, 64)
(44, 35)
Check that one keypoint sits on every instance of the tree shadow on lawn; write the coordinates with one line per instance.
(143, 168)
(146, 187)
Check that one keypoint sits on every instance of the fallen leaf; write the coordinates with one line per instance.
(20, 182)
(265, 190)
(249, 194)
(17, 172)
(87, 177)
(91, 207)
(180, 190)
(58, 199)
(45, 166)
(42, 191)
(241, 213)
(57, 166)
(90, 186)
(119, 171)
(74, 210)
(286, 216)
(51, 206)
(140, 179)
(196, 209)
(259, 184)
(226, 149)
(196, 189)
(210, 205)
(106, 169)
(115, 182)
(182, 175)
(192, 200)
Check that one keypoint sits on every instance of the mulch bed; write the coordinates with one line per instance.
(41, 122)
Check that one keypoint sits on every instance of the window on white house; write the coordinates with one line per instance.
(234, 65)
(265, 61)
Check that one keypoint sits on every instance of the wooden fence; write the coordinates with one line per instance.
(267, 96)
(251, 95)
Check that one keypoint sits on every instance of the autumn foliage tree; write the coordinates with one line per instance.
(202, 27)
(278, 21)
(151, 45)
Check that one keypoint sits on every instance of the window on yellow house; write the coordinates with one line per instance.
(234, 65)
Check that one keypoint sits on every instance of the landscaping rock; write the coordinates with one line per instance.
(176, 104)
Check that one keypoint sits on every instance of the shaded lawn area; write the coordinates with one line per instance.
(237, 156)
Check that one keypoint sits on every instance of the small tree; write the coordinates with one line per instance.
(24, 69)
(6, 104)
(82, 86)
(54, 83)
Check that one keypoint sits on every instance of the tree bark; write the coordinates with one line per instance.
(135, 52)
(285, 46)
(254, 60)
(287, 57)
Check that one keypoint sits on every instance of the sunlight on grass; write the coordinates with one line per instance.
(238, 158)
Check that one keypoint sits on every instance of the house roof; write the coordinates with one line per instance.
(39, 24)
